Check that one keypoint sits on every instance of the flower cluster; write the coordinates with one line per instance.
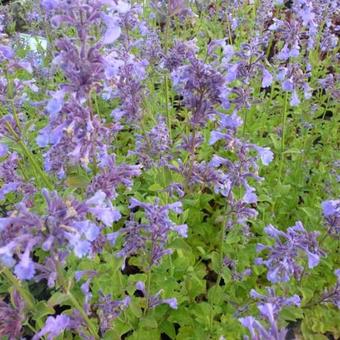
(64, 227)
(331, 212)
(258, 331)
(282, 260)
(151, 237)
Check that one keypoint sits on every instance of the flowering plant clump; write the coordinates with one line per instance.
(148, 149)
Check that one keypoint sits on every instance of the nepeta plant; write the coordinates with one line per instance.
(147, 148)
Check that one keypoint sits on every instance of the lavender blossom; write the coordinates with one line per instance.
(180, 52)
(109, 310)
(154, 234)
(53, 327)
(113, 175)
(201, 87)
(13, 181)
(293, 78)
(333, 295)
(258, 331)
(75, 136)
(64, 227)
(12, 317)
(155, 300)
(278, 302)
(282, 262)
(153, 148)
(129, 89)
(331, 212)
(290, 32)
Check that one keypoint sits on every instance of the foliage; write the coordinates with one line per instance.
(148, 149)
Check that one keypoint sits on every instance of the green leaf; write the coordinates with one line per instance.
(155, 187)
(216, 294)
(169, 329)
(41, 309)
(57, 299)
(148, 322)
(77, 181)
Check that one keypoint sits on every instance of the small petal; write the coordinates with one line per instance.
(172, 302)
(265, 154)
(267, 78)
(313, 259)
(25, 269)
(3, 150)
(181, 230)
(54, 326)
(295, 101)
(113, 30)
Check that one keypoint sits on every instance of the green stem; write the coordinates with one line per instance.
(148, 285)
(245, 123)
(221, 252)
(30, 327)
(89, 323)
(166, 80)
(30, 157)
(283, 138)
(168, 116)
(27, 297)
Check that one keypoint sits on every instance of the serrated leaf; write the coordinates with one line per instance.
(42, 309)
(77, 181)
(215, 294)
(155, 187)
(148, 322)
(57, 299)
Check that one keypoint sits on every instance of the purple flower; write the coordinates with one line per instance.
(153, 149)
(12, 180)
(109, 310)
(265, 154)
(49, 5)
(267, 78)
(283, 255)
(201, 87)
(331, 207)
(176, 6)
(12, 317)
(172, 302)
(102, 208)
(156, 231)
(295, 101)
(258, 331)
(53, 327)
(6, 53)
(332, 295)
(331, 212)
(288, 85)
(156, 300)
(55, 104)
(113, 30)
(63, 227)
(3, 149)
(25, 269)
(178, 53)
(278, 302)
(113, 175)
(7, 188)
